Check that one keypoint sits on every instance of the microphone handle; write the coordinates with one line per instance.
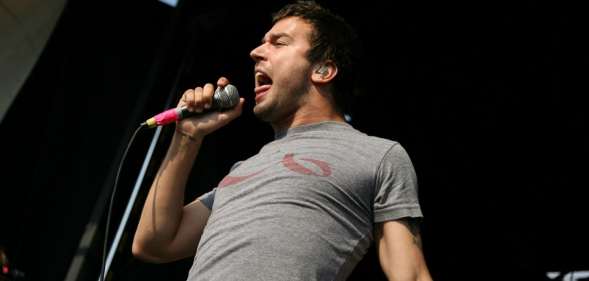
(224, 98)
(172, 115)
(183, 112)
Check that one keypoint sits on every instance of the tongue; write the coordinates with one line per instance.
(262, 88)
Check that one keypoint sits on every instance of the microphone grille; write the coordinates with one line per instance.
(226, 97)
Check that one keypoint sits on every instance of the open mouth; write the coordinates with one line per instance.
(263, 84)
(262, 79)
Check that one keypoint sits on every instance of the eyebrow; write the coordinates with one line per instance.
(275, 36)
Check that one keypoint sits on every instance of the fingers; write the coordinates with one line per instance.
(222, 82)
(187, 98)
(197, 106)
(199, 99)
(207, 96)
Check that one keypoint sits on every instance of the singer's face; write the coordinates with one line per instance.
(282, 70)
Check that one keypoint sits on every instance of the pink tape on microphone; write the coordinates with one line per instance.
(166, 117)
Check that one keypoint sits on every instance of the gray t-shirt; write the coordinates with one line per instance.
(304, 207)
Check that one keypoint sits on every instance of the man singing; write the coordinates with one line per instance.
(311, 202)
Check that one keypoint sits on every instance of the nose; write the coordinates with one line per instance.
(257, 54)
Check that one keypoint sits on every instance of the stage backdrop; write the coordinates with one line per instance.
(487, 98)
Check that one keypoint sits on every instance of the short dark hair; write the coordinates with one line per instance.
(332, 39)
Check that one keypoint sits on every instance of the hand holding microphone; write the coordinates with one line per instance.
(224, 103)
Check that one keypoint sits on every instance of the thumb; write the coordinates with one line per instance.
(232, 113)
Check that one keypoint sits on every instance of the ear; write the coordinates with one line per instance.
(324, 72)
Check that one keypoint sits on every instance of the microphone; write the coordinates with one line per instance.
(224, 98)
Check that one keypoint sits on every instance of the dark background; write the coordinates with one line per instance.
(487, 98)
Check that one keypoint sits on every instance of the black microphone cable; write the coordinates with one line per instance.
(110, 205)
(224, 98)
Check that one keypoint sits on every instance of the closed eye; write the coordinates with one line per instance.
(280, 39)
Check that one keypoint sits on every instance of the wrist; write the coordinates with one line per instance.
(184, 135)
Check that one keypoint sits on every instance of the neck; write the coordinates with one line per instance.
(317, 106)
(304, 118)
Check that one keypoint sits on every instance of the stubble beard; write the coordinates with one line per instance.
(274, 109)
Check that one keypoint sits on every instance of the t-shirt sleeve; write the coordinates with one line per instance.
(396, 187)
(209, 198)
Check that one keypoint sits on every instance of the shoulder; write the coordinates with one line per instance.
(235, 165)
(379, 144)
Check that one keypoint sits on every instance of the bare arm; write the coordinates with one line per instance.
(167, 229)
(399, 251)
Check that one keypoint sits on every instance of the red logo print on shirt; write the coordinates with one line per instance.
(289, 162)
(229, 180)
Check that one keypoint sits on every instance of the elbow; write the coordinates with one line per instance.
(410, 278)
(417, 277)
(141, 252)
(416, 274)
(138, 251)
